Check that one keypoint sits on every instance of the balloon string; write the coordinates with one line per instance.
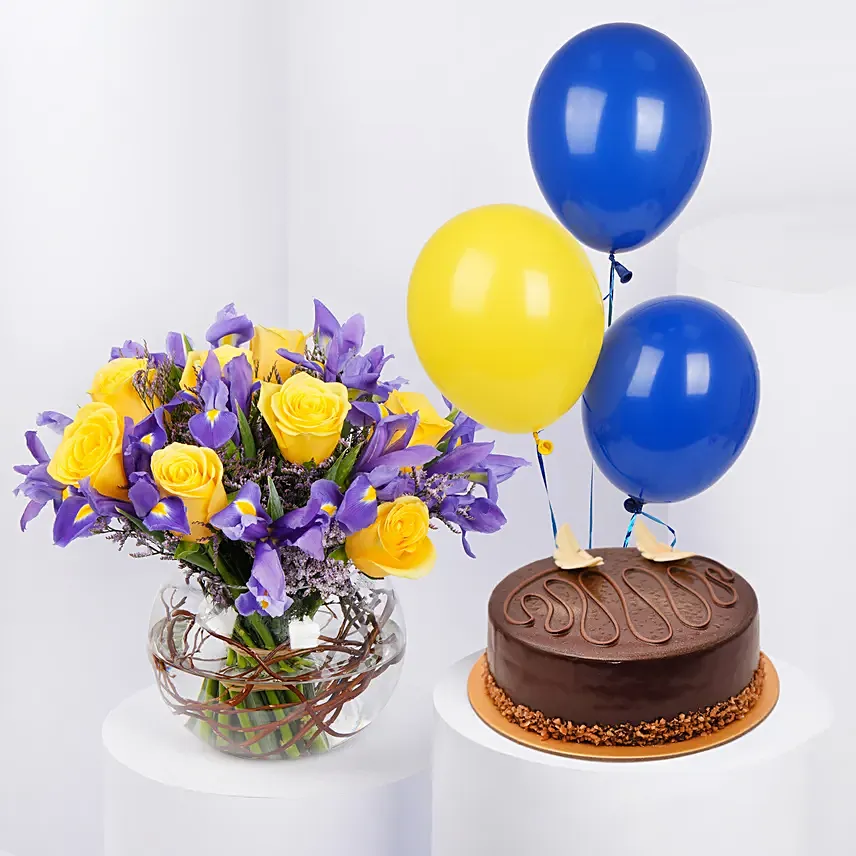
(632, 523)
(611, 294)
(542, 448)
(624, 276)
(591, 505)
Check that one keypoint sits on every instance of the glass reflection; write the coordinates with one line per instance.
(645, 372)
(649, 123)
(583, 111)
(698, 374)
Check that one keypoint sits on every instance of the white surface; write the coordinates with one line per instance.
(168, 793)
(493, 796)
(784, 513)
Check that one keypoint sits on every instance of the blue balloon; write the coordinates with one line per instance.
(619, 132)
(672, 400)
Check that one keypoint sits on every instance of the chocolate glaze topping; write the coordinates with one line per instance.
(628, 641)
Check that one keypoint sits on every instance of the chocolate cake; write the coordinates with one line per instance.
(631, 652)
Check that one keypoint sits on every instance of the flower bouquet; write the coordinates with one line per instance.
(289, 482)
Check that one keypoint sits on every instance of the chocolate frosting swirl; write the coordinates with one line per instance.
(546, 586)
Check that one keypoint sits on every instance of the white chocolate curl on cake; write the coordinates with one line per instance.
(654, 550)
(569, 556)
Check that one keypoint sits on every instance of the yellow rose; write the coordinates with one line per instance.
(431, 427)
(196, 359)
(264, 345)
(397, 543)
(305, 416)
(91, 447)
(114, 385)
(195, 474)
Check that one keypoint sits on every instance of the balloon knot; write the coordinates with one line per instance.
(624, 275)
(545, 447)
(632, 505)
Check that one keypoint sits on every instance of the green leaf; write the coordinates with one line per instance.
(194, 554)
(343, 466)
(230, 450)
(340, 554)
(275, 509)
(247, 440)
(138, 524)
(188, 345)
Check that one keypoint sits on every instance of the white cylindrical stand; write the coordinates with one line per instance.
(494, 797)
(168, 793)
(782, 516)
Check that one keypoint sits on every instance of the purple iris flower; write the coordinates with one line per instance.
(244, 519)
(266, 585)
(239, 378)
(157, 514)
(326, 325)
(494, 470)
(175, 348)
(137, 351)
(215, 426)
(472, 515)
(398, 485)
(388, 447)
(37, 485)
(305, 527)
(128, 349)
(358, 508)
(461, 459)
(364, 413)
(229, 328)
(140, 441)
(53, 420)
(463, 429)
(80, 511)
(343, 362)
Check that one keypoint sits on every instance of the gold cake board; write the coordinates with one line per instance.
(487, 712)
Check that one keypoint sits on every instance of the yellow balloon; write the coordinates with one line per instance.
(506, 315)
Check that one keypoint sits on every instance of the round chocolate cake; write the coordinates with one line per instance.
(630, 652)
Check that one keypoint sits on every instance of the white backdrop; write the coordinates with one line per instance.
(160, 158)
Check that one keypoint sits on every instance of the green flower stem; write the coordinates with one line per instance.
(285, 730)
(210, 690)
(269, 742)
(246, 722)
(262, 631)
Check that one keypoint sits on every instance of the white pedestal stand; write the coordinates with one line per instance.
(494, 797)
(783, 275)
(167, 793)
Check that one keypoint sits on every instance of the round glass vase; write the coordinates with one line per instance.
(266, 688)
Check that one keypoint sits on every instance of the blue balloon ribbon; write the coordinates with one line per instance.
(546, 487)
(641, 513)
(624, 276)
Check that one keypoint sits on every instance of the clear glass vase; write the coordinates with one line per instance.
(308, 687)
